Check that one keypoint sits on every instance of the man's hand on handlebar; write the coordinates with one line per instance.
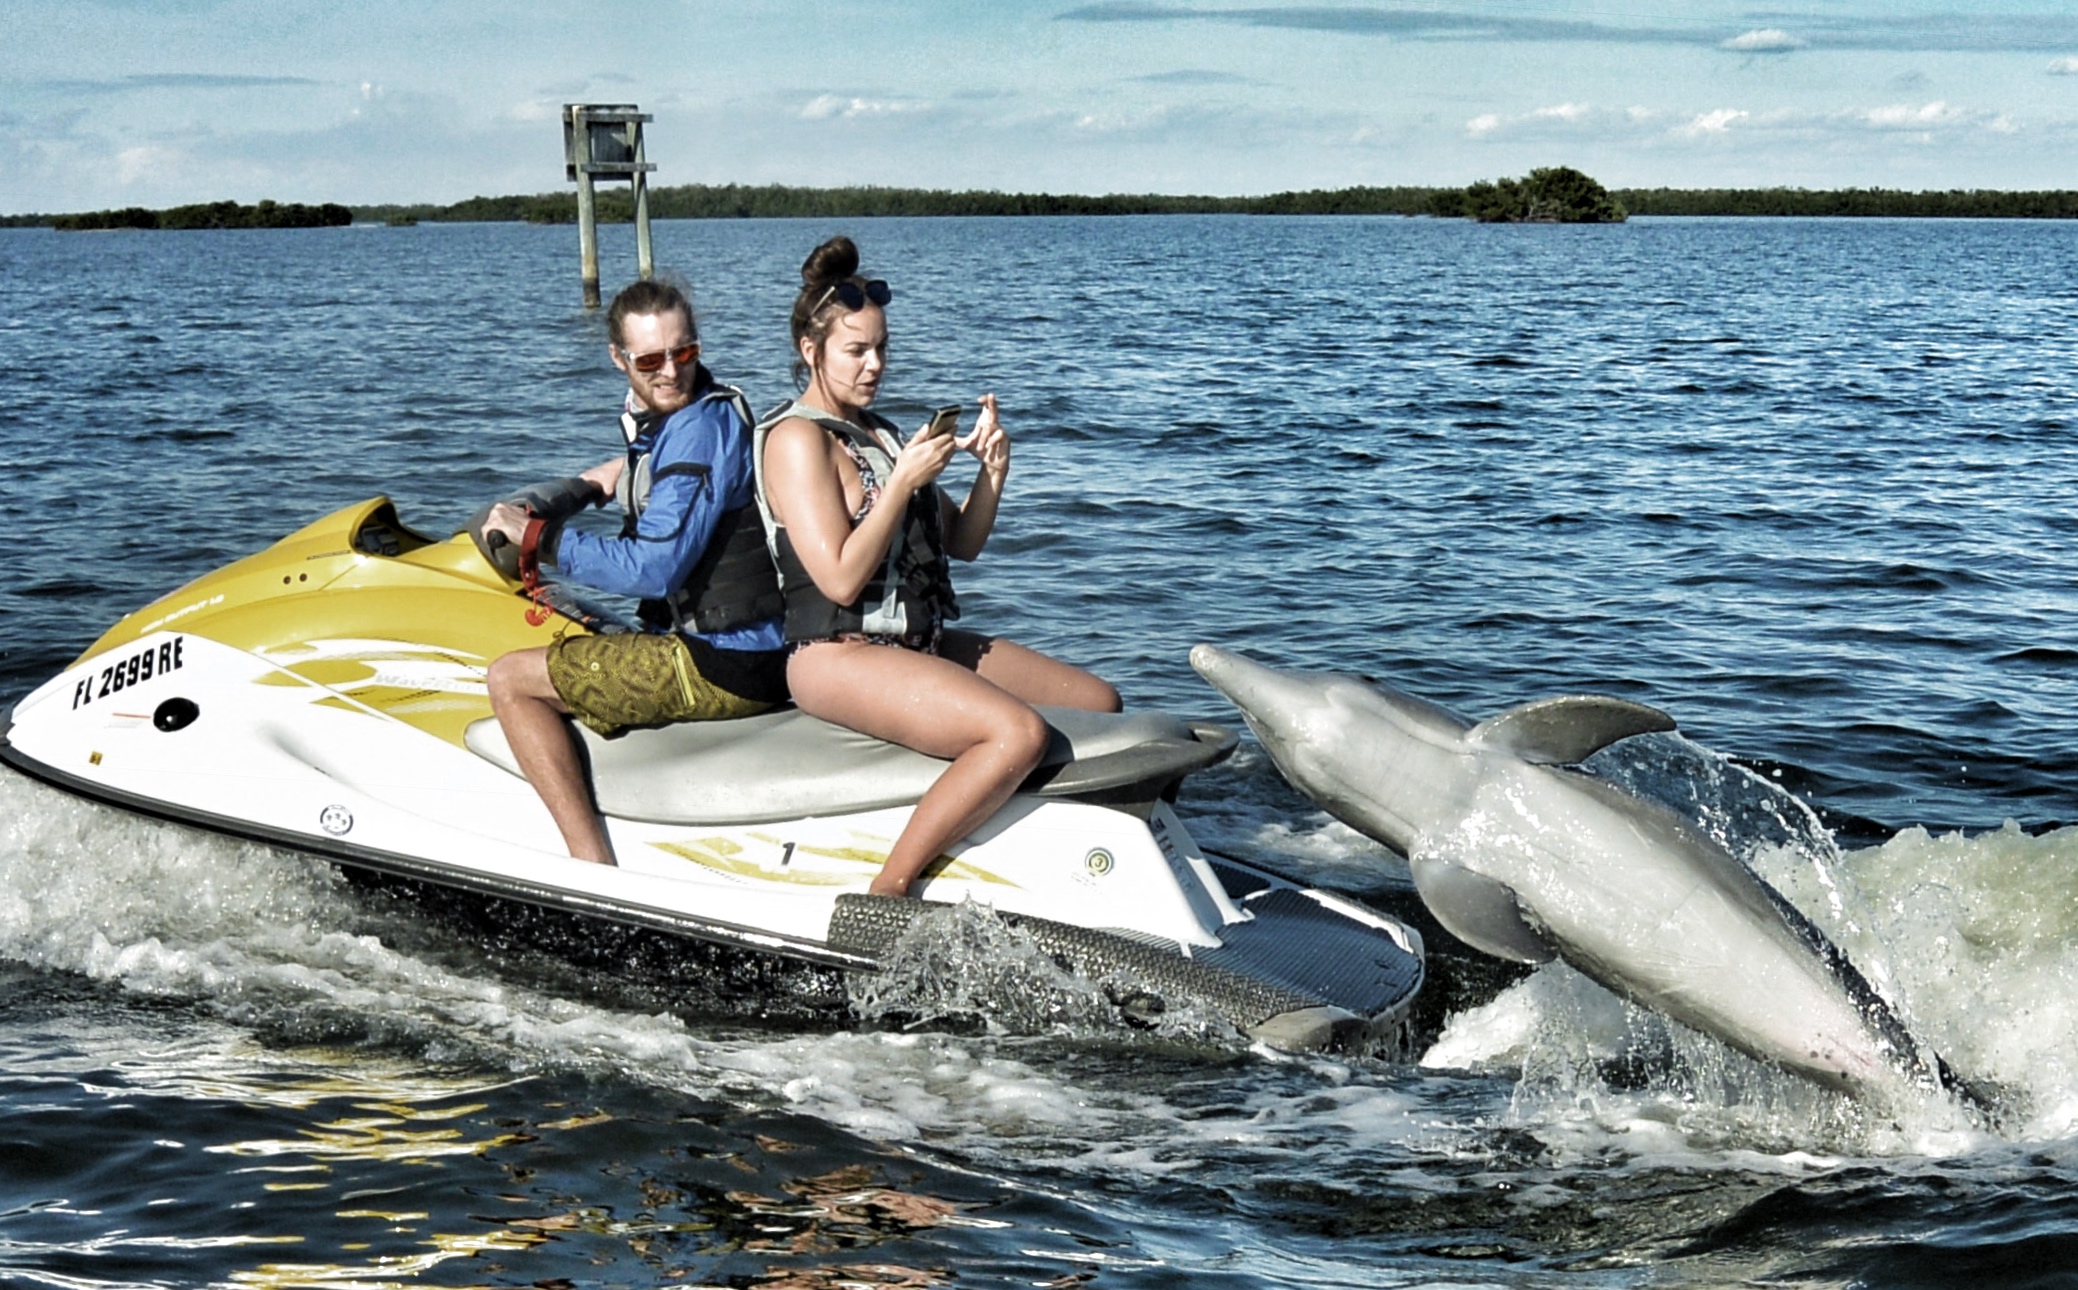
(506, 521)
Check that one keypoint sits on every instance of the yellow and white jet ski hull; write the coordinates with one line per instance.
(327, 695)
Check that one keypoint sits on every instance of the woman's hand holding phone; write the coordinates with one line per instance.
(930, 450)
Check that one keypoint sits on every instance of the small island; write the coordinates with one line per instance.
(1549, 195)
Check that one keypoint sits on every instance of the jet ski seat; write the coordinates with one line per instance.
(785, 764)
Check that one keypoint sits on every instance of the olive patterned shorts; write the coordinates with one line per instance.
(637, 679)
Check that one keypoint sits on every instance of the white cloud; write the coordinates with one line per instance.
(371, 95)
(149, 163)
(1560, 114)
(1764, 40)
(825, 107)
(1143, 121)
(1904, 117)
(1587, 125)
(1917, 119)
(535, 110)
(2064, 67)
(1716, 121)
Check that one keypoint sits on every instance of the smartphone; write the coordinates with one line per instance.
(944, 421)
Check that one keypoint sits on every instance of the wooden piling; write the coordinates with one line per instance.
(603, 141)
(644, 265)
(588, 234)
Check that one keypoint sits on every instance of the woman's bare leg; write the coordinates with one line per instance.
(532, 716)
(1028, 674)
(937, 707)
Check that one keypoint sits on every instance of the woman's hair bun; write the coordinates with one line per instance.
(833, 261)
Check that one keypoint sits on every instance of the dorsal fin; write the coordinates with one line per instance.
(1568, 729)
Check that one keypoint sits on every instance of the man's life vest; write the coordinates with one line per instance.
(733, 584)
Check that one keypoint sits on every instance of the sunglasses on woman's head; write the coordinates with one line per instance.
(653, 361)
(854, 296)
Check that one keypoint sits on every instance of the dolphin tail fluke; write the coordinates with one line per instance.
(1995, 1102)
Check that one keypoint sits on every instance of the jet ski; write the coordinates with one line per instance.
(327, 695)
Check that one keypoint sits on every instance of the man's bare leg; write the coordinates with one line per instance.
(532, 716)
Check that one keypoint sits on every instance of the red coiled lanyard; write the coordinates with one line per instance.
(530, 572)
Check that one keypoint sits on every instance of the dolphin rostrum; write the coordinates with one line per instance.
(1527, 860)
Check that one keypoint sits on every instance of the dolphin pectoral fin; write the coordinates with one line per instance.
(1568, 729)
(1482, 913)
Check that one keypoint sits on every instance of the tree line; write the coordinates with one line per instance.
(266, 214)
(1956, 203)
(1557, 194)
(780, 201)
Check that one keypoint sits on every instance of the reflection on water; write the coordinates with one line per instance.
(383, 1272)
(320, 1137)
(373, 1137)
(387, 1172)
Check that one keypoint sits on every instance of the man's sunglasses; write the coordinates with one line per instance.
(854, 296)
(653, 361)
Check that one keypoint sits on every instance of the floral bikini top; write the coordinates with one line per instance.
(869, 481)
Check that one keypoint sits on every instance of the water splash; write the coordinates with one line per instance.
(277, 944)
(1990, 923)
(277, 947)
(962, 965)
(1974, 939)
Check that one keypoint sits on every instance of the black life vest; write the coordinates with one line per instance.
(911, 594)
(733, 584)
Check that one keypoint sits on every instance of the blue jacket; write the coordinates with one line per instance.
(699, 470)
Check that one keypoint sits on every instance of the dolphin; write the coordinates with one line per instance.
(1527, 860)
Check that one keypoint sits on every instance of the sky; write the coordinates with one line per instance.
(109, 103)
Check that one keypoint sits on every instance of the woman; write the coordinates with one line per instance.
(861, 532)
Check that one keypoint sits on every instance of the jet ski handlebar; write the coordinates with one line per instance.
(552, 501)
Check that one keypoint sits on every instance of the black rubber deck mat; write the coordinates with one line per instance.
(1297, 943)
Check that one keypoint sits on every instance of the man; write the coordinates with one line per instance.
(690, 546)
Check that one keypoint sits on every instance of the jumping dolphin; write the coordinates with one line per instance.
(1529, 861)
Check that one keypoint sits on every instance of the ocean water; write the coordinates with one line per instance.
(1806, 485)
